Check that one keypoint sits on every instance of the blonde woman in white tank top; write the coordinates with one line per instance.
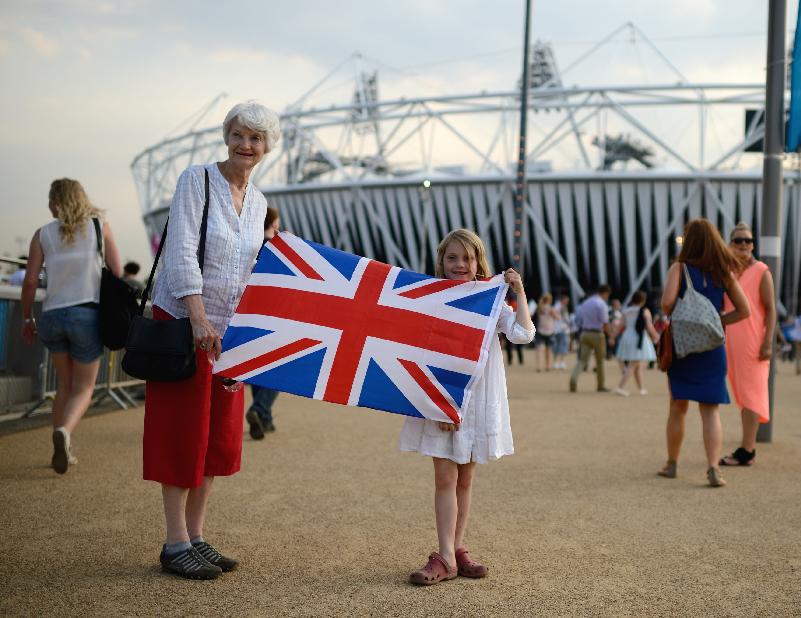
(68, 325)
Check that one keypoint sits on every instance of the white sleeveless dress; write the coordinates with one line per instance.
(631, 347)
(485, 432)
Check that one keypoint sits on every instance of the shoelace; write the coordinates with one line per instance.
(208, 552)
(189, 561)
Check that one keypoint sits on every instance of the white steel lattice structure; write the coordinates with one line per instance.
(388, 178)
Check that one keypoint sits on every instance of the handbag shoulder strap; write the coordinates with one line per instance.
(687, 277)
(201, 247)
(201, 250)
(98, 235)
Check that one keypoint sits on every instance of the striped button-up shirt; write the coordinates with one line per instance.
(232, 243)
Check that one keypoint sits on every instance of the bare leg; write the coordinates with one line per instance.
(637, 369)
(446, 474)
(464, 490)
(625, 377)
(675, 427)
(548, 360)
(713, 432)
(750, 428)
(63, 366)
(80, 394)
(174, 499)
(196, 503)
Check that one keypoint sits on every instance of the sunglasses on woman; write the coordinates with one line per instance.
(743, 241)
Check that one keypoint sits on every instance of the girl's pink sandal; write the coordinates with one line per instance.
(436, 570)
(467, 567)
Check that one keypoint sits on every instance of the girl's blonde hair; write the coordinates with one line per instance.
(472, 244)
(72, 207)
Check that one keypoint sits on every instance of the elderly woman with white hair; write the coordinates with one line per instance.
(193, 428)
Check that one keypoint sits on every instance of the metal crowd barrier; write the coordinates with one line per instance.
(34, 362)
(111, 382)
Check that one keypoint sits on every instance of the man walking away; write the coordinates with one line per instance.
(593, 320)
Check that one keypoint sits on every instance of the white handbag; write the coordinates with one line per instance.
(695, 322)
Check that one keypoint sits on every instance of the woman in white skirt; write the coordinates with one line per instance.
(636, 345)
(484, 433)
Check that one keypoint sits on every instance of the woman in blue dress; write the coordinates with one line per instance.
(701, 377)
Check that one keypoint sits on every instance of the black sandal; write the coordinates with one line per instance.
(739, 457)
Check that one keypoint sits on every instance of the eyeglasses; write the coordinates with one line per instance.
(743, 241)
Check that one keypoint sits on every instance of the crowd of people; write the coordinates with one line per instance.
(193, 428)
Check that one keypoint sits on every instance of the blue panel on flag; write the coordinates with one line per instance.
(344, 262)
(407, 277)
(269, 263)
(454, 382)
(237, 335)
(481, 303)
(298, 377)
(380, 392)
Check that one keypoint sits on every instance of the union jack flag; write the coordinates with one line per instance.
(325, 324)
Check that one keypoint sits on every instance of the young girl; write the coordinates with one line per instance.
(484, 432)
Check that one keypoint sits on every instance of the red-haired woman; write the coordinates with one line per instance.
(701, 377)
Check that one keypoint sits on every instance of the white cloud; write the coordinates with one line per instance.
(40, 42)
(4, 48)
(236, 55)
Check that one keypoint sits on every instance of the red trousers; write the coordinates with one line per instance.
(193, 428)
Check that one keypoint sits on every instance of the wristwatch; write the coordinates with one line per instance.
(29, 321)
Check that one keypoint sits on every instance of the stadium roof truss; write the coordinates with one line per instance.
(354, 175)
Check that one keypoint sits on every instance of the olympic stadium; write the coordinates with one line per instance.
(613, 174)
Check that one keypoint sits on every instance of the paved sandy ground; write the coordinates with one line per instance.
(329, 518)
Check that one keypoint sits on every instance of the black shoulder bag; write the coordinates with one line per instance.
(117, 302)
(163, 350)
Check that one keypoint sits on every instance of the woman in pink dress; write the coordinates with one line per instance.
(749, 346)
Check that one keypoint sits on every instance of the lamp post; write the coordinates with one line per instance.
(520, 179)
(770, 222)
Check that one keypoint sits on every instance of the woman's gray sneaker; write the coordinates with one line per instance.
(189, 564)
(214, 557)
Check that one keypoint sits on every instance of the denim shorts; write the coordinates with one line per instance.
(560, 343)
(73, 330)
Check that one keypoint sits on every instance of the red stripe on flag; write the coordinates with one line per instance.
(299, 263)
(419, 376)
(353, 315)
(351, 343)
(269, 357)
(431, 288)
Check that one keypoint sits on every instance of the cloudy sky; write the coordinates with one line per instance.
(88, 84)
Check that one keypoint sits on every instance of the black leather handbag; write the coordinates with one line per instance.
(163, 350)
(117, 303)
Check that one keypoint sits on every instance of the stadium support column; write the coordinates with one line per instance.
(770, 222)
(520, 179)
